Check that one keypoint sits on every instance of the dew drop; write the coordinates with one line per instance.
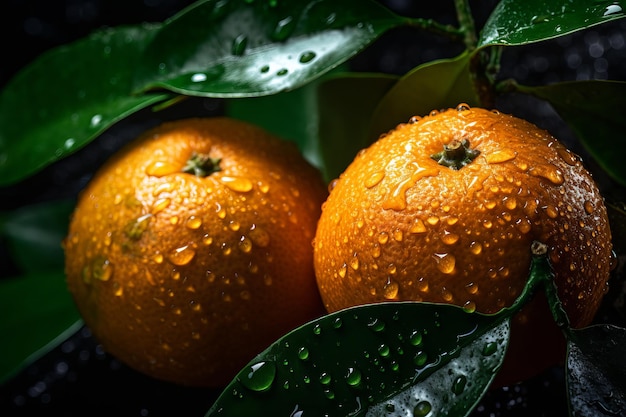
(265, 69)
(307, 57)
(317, 329)
(376, 325)
(391, 289)
(463, 107)
(259, 236)
(500, 156)
(374, 179)
(101, 269)
(238, 184)
(612, 9)
(160, 205)
(588, 207)
(259, 377)
(343, 270)
(418, 227)
(354, 263)
(420, 358)
(303, 353)
(469, 306)
(416, 338)
(383, 238)
(422, 409)
(449, 238)
(490, 348)
(476, 248)
(281, 72)
(160, 169)
(283, 28)
(193, 223)
(353, 377)
(446, 262)
(239, 45)
(458, 386)
(181, 255)
(245, 244)
(325, 378)
(549, 172)
(135, 228)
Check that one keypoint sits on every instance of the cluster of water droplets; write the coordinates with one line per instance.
(297, 371)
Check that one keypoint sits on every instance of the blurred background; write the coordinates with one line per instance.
(78, 377)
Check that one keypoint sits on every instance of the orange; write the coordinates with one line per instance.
(189, 251)
(399, 224)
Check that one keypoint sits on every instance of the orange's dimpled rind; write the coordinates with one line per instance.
(187, 277)
(397, 225)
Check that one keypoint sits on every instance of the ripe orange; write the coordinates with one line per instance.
(398, 225)
(190, 250)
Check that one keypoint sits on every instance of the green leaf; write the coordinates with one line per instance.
(515, 22)
(36, 232)
(593, 109)
(388, 356)
(596, 371)
(37, 314)
(432, 86)
(345, 105)
(240, 48)
(67, 97)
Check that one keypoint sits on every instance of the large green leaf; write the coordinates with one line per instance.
(243, 48)
(37, 313)
(384, 359)
(593, 109)
(345, 105)
(432, 86)
(36, 232)
(596, 371)
(67, 97)
(518, 22)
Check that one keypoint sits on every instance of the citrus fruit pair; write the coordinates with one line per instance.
(445, 208)
(190, 250)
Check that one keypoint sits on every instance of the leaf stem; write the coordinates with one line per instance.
(466, 23)
(430, 25)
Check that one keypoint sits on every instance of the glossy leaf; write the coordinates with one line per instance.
(37, 314)
(36, 232)
(593, 110)
(382, 354)
(596, 371)
(240, 48)
(345, 105)
(67, 97)
(432, 86)
(515, 22)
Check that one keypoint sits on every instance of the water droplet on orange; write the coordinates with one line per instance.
(135, 228)
(568, 156)
(160, 205)
(245, 244)
(549, 172)
(398, 235)
(588, 207)
(161, 168)
(446, 262)
(374, 179)
(418, 227)
(476, 248)
(181, 255)
(383, 238)
(354, 263)
(500, 156)
(259, 236)
(449, 238)
(238, 184)
(101, 269)
(193, 222)
(397, 199)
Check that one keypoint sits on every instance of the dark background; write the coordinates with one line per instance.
(79, 378)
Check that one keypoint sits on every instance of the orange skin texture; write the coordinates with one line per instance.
(399, 226)
(187, 278)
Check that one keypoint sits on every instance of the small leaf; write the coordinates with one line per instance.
(596, 371)
(37, 314)
(515, 22)
(376, 356)
(593, 109)
(240, 48)
(345, 105)
(432, 86)
(67, 97)
(36, 232)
